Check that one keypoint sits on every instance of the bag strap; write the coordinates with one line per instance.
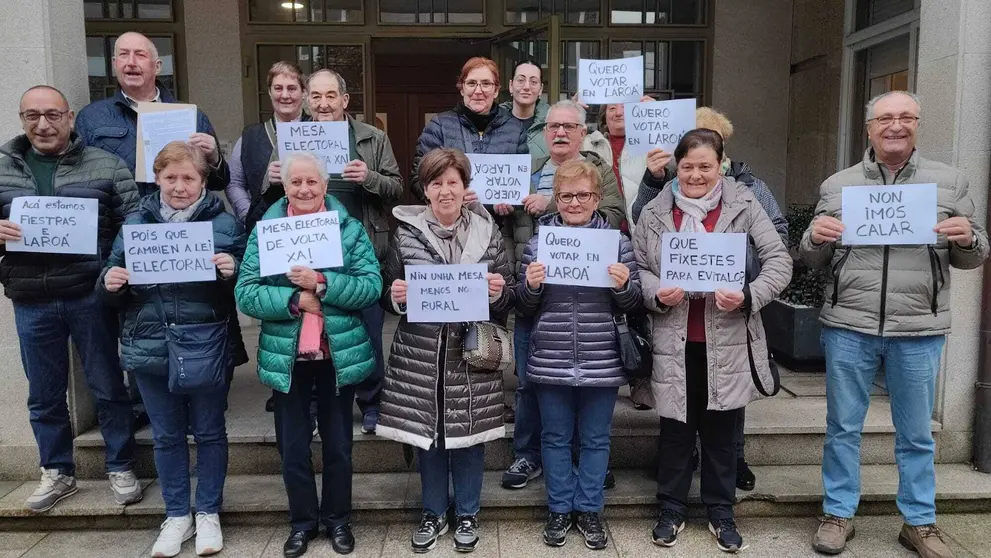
(161, 311)
(775, 376)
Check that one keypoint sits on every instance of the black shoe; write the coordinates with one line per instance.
(591, 527)
(556, 529)
(728, 538)
(642, 407)
(520, 473)
(270, 405)
(369, 421)
(426, 535)
(745, 479)
(342, 539)
(610, 481)
(298, 542)
(466, 535)
(141, 420)
(695, 458)
(666, 529)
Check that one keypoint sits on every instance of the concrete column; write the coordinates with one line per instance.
(954, 77)
(43, 42)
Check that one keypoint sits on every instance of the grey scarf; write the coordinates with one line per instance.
(452, 240)
(172, 215)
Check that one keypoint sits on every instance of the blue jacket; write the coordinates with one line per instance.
(112, 125)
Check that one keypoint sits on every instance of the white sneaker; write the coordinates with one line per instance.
(209, 538)
(126, 488)
(54, 486)
(175, 531)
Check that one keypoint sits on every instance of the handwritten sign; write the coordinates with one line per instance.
(169, 253)
(447, 293)
(312, 240)
(499, 179)
(158, 129)
(578, 256)
(55, 225)
(658, 124)
(895, 214)
(703, 262)
(610, 81)
(327, 140)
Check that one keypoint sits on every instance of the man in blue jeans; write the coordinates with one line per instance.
(53, 294)
(888, 305)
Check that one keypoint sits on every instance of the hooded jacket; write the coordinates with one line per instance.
(535, 133)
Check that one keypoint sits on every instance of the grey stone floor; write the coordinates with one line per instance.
(967, 535)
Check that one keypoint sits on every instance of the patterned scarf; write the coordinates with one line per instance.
(695, 209)
(172, 215)
(452, 239)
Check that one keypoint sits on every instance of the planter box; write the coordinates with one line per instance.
(793, 332)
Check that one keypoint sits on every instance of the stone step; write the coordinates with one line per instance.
(395, 497)
(784, 430)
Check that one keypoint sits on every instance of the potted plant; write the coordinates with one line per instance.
(792, 320)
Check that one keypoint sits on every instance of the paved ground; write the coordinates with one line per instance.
(967, 535)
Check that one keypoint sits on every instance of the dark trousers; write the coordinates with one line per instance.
(368, 392)
(294, 435)
(718, 433)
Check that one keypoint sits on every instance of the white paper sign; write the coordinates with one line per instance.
(499, 179)
(578, 256)
(169, 253)
(312, 240)
(447, 293)
(327, 140)
(703, 262)
(658, 124)
(55, 225)
(610, 81)
(158, 129)
(895, 214)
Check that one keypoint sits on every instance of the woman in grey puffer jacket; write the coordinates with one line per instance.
(574, 360)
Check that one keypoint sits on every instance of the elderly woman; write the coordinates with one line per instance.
(476, 125)
(440, 404)
(703, 373)
(574, 360)
(180, 172)
(312, 333)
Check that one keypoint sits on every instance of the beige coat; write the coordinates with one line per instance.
(730, 383)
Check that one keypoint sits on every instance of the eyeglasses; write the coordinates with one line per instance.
(485, 85)
(582, 197)
(568, 126)
(52, 116)
(888, 120)
(522, 80)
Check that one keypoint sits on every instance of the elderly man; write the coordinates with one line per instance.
(54, 298)
(369, 184)
(890, 306)
(563, 133)
(527, 106)
(111, 124)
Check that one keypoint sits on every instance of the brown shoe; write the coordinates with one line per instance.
(926, 540)
(832, 535)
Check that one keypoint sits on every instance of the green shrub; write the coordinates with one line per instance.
(807, 285)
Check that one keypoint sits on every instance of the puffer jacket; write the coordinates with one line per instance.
(505, 134)
(535, 133)
(350, 288)
(82, 172)
(574, 341)
(731, 385)
(894, 291)
(472, 398)
(143, 347)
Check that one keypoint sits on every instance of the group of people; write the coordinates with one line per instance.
(320, 345)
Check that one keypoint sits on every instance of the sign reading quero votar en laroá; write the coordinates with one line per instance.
(703, 262)
(500, 179)
(313, 241)
(578, 256)
(657, 124)
(447, 293)
(610, 81)
(169, 253)
(328, 141)
(55, 225)
(894, 214)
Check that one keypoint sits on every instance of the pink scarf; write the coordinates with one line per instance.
(311, 333)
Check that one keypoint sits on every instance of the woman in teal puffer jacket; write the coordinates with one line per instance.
(312, 332)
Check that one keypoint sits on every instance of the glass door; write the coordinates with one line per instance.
(539, 42)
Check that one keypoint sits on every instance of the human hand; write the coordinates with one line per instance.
(670, 296)
(308, 302)
(826, 229)
(471, 197)
(657, 161)
(620, 274)
(115, 279)
(275, 172)
(303, 277)
(224, 263)
(9, 231)
(536, 204)
(398, 290)
(503, 209)
(957, 229)
(496, 284)
(727, 300)
(355, 171)
(208, 145)
(536, 273)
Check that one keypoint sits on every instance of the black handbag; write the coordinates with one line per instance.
(634, 344)
(198, 354)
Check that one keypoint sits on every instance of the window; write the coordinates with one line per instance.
(879, 69)
(347, 60)
(657, 12)
(672, 69)
(575, 12)
(306, 11)
(128, 9)
(99, 57)
(453, 12)
(571, 52)
(872, 12)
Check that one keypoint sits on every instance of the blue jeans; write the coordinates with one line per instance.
(463, 466)
(171, 415)
(44, 330)
(910, 365)
(571, 488)
(369, 391)
(526, 433)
